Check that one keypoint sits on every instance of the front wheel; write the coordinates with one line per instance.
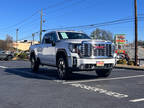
(103, 72)
(62, 68)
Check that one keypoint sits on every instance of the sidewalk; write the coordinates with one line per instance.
(120, 66)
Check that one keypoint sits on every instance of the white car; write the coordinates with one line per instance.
(73, 51)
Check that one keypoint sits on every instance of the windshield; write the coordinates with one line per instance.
(72, 35)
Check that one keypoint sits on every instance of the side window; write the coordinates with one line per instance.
(54, 37)
(47, 39)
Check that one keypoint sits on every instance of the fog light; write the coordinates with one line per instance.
(81, 66)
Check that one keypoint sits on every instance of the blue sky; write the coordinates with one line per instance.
(66, 13)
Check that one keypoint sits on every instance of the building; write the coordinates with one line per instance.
(23, 45)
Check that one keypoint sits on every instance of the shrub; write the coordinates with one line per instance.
(123, 61)
(131, 63)
(16, 54)
(23, 55)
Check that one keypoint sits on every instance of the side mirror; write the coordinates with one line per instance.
(48, 40)
(53, 43)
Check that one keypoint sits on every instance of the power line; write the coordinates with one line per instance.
(26, 37)
(32, 27)
(83, 29)
(24, 20)
(98, 24)
(32, 22)
(58, 9)
(75, 9)
(113, 24)
(120, 21)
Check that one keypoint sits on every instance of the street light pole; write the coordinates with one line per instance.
(17, 39)
(136, 34)
(33, 37)
(41, 26)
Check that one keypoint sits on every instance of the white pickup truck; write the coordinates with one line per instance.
(73, 51)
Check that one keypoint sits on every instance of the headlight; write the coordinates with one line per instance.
(74, 48)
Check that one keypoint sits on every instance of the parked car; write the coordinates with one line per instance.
(6, 55)
(73, 51)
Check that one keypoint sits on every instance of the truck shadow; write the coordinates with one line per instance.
(49, 74)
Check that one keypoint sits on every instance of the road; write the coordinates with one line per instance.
(20, 88)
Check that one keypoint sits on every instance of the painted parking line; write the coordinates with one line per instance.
(106, 79)
(137, 100)
(100, 91)
(3, 67)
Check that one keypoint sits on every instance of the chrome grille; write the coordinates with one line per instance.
(99, 51)
(86, 50)
(96, 50)
(108, 50)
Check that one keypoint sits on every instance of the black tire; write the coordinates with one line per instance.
(103, 72)
(62, 68)
(9, 58)
(34, 64)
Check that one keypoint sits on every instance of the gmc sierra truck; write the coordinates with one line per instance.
(73, 51)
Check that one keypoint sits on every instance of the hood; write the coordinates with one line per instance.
(78, 41)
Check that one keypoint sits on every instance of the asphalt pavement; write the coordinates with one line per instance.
(20, 88)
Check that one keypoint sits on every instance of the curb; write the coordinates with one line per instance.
(21, 60)
(130, 68)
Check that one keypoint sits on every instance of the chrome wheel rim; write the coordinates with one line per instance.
(61, 68)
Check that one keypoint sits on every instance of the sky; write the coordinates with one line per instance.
(25, 15)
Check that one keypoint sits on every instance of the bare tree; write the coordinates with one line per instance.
(8, 42)
(2, 44)
(102, 34)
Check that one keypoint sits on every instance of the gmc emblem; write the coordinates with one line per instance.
(99, 47)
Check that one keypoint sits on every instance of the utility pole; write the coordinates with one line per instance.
(41, 21)
(136, 34)
(33, 37)
(17, 39)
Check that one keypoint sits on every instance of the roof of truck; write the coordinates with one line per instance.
(66, 31)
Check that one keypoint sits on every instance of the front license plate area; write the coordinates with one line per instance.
(99, 63)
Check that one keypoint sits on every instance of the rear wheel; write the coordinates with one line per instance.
(62, 68)
(34, 64)
(103, 72)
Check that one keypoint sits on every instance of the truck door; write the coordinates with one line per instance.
(53, 48)
(48, 51)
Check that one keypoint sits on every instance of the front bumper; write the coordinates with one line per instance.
(90, 64)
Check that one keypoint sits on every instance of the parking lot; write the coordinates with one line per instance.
(20, 88)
